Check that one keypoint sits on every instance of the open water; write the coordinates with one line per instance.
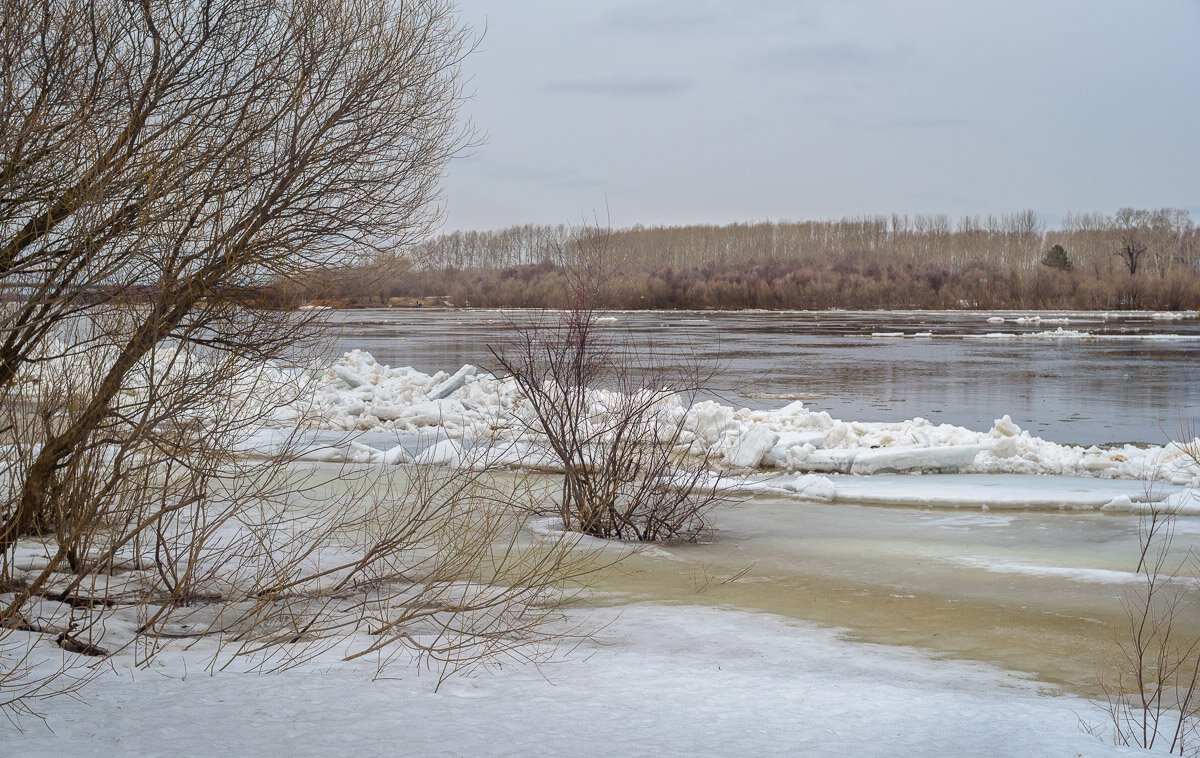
(1137, 380)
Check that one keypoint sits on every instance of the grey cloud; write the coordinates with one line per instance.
(662, 18)
(941, 124)
(687, 17)
(621, 86)
(557, 179)
(823, 57)
(946, 200)
(929, 123)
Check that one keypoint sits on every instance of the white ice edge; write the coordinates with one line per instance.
(358, 395)
(1076, 334)
(1057, 334)
(1033, 570)
(1003, 492)
(360, 411)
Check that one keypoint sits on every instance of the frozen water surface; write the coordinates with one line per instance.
(656, 680)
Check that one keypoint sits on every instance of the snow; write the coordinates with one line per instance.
(361, 411)
(653, 680)
(1179, 503)
(874, 461)
(810, 487)
(453, 384)
(984, 491)
(357, 395)
(662, 680)
(1071, 573)
(389, 415)
(750, 447)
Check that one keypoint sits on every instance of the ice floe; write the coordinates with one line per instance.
(359, 410)
(1076, 334)
(357, 393)
(1002, 492)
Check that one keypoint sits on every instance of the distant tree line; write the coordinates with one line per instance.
(1131, 259)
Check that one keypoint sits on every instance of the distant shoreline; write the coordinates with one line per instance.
(1126, 312)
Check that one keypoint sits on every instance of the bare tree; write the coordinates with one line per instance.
(263, 138)
(1131, 251)
(161, 163)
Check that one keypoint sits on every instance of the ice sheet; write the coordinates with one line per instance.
(655, 680)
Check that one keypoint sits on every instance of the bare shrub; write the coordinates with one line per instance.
(1155, 700)
(613, 417)
(172, 535)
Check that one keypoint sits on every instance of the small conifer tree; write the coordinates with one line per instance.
(1057, 258)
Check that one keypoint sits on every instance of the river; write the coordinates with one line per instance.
(1135, 380)
(1041, 592)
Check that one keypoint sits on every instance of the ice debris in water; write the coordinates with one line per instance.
(358, 393)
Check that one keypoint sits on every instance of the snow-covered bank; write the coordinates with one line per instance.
(655, 681)
(358, 393)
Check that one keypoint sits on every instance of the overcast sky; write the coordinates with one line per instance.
(682, 111)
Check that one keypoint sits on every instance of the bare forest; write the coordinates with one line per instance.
(1132, 259)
